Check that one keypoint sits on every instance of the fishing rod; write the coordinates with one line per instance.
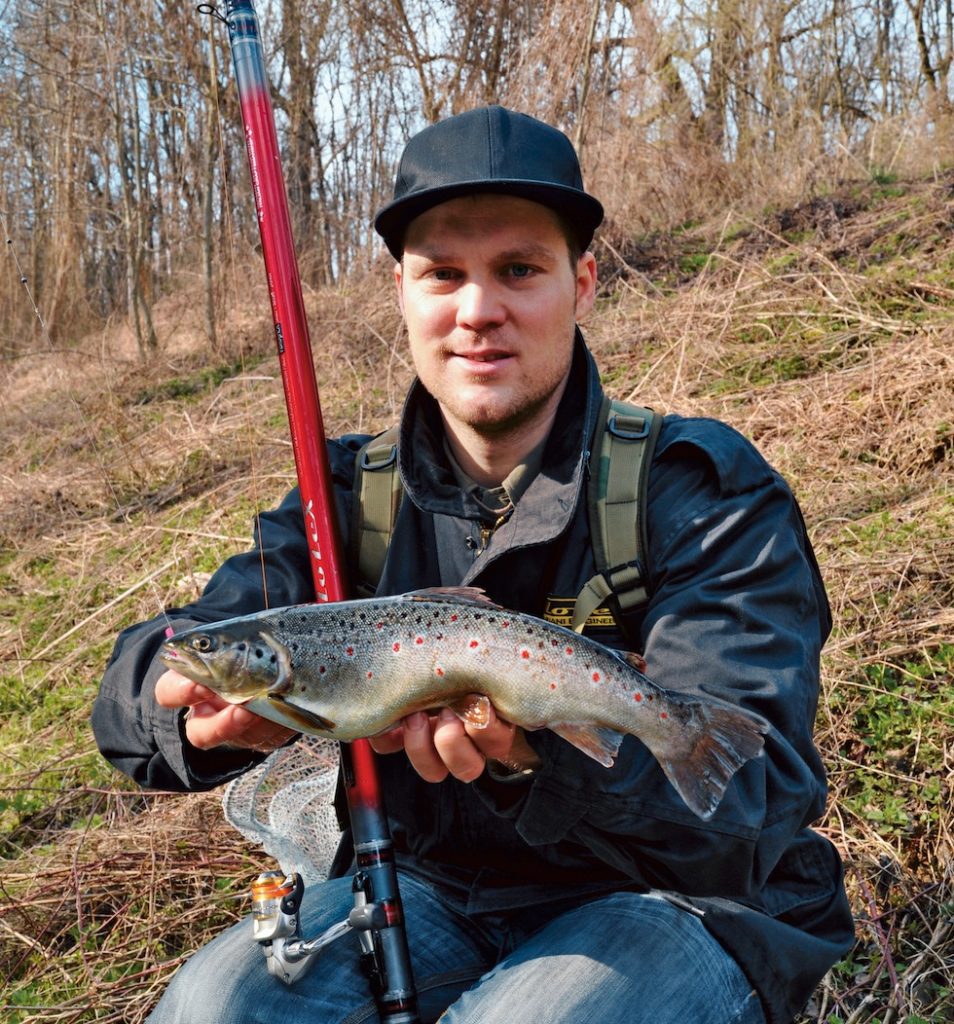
(378, 915)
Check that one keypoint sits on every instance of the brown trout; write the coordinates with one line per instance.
(354, 668)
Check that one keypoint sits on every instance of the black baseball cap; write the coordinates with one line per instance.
(490, 149)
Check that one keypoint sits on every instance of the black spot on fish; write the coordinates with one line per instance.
(242, 646)
(258, 652)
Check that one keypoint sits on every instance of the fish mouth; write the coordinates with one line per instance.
(183, 661)
(238, 662)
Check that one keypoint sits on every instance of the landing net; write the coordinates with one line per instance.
(285, 805)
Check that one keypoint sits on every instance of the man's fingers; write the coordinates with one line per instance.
(456, 749)
(213, 722)
(208, 726)
(175, 691)
(419, 730)
(438, 745)
(390, 741)
(493, 740)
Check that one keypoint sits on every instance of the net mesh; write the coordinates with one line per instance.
(285, 804)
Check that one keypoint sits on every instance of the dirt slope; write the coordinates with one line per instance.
(824, 332)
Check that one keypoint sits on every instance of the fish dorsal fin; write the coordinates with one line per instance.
(457, 595)
(634, 660)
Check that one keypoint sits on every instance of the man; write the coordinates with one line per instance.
(537, 884)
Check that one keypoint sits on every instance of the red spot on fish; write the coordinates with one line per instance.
(370, 675)
(552, 686)
(569, 650)
(379, 625)
(438, 671)
(637, 696)
(395, 646)
(596, 677)
(662, 714)
(474, 643)
(453, 618)
(349, 651)
(322, 670)
(524, 654)
(419, 640)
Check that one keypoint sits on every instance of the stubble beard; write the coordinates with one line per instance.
(496, 419)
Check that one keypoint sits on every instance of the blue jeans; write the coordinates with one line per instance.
(625, 958)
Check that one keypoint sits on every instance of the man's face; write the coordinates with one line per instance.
(490, 300)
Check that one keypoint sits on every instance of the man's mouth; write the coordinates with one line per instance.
(484, 355)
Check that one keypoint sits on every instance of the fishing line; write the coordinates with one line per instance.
(226, 213)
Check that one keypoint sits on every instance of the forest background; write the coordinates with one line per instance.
(777, 252)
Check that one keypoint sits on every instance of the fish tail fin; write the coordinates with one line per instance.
(717, 742)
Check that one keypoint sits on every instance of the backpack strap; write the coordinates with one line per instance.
(618, 484)
(619, 480)
(377, 498)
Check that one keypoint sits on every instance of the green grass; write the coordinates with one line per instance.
(898, 719)
(202, 381)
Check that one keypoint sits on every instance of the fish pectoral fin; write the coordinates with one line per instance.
(306, 720)
(634, 660)
(472, 708)
(457, 595)
(601, 744)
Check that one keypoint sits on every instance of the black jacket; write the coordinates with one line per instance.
(737, 610)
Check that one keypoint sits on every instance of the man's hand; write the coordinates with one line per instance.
(213, 722)
(438, 745)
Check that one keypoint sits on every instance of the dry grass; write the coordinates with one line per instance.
(824, 332)
(118, 903)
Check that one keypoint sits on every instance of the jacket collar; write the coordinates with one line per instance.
(548, 504)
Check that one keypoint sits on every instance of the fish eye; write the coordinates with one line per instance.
(202, 644)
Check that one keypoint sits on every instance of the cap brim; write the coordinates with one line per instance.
(580, 210)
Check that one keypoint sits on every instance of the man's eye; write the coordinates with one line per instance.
(443, 274)
(520, 270)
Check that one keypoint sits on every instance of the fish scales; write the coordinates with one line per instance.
(354, 668)
(433, 653)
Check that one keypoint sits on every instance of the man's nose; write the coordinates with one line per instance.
(479, 306)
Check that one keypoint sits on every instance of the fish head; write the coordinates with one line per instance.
(239, 660)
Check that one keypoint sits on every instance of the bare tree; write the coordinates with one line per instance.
(934, 32)
(124, 170)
